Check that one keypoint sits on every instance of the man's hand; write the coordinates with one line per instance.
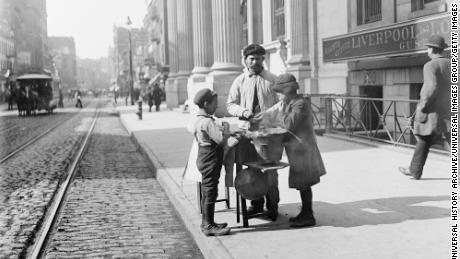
(232, 141)
(421, 116)
(247, 114)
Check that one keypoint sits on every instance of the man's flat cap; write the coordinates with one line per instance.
(204, 95)
(436, 41)
(253, 49)
(285, 81)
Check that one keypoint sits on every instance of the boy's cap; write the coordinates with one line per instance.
(253, 49)
(204, 95)
(285, 81)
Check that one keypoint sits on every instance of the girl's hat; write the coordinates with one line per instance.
(285, 81)
(204, 95)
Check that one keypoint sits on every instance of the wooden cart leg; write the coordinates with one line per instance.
(227, 197)
(244, 212)
(199, 196)
(237, 208)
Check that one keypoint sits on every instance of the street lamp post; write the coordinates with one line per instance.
(131, 79)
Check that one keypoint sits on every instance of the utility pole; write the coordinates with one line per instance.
(131, 78)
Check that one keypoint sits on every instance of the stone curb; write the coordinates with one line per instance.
(211, 247)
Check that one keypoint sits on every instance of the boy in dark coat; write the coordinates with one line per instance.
(211, 139)
(294, 114)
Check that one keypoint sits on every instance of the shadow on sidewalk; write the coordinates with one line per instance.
(360, 213)
(377, 211)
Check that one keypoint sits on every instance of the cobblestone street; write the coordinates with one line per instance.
(29, 180)
(116, 208)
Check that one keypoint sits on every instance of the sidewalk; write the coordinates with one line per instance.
(364, 207)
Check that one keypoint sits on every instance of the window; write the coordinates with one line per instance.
(420, 4)
(278, 19)
(244, 16)
(369, 11)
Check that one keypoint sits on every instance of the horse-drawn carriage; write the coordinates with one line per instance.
(34, 92)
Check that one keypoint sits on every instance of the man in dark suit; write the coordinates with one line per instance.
(432, 117)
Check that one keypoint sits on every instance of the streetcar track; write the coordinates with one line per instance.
(32, 140)
(8, 128)
(53, 212)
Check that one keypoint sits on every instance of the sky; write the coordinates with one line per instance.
(91, 22)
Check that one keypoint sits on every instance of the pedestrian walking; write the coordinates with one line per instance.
(432, 117)
(78, 98)
(61, 99)
(210, 138)
(293, 112)
(157, 95)
(150, 98)
(250, 94)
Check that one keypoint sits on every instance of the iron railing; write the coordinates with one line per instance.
(375, 119)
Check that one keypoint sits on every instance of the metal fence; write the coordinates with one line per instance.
(375, 119)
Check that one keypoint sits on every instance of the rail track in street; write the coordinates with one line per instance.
(52, 214)
(109, 204)
(31, 140)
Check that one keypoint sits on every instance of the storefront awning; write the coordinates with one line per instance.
(33, 76)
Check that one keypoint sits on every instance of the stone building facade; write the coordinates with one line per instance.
(385, 50)
(28, 21)
(206, 38)
(63, 52)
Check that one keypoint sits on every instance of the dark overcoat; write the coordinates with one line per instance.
(433, 109)
(306, 164)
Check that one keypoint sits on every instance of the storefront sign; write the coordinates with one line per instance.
(400, 39)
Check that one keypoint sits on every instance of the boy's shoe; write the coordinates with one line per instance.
(214, 230)
(221, 225)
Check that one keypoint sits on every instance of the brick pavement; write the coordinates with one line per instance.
(29, 180)
(364, 207)
(116, 208)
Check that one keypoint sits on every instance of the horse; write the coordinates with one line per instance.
(20, 101)
(31, 99)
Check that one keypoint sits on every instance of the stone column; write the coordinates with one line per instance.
(202, 36)
(297, 19)
(227, 36)
(250, 4)
(172, 98)
(185, 46)
(255, 24)
(202, 46)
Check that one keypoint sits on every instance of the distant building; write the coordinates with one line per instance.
(139, 47)
(93, 74)
(384, 49)
(62, 50)
(28, 21)
(6, 54)
(157, 58)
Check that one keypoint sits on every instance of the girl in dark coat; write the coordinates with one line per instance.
(293, 113)
(157, 94)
